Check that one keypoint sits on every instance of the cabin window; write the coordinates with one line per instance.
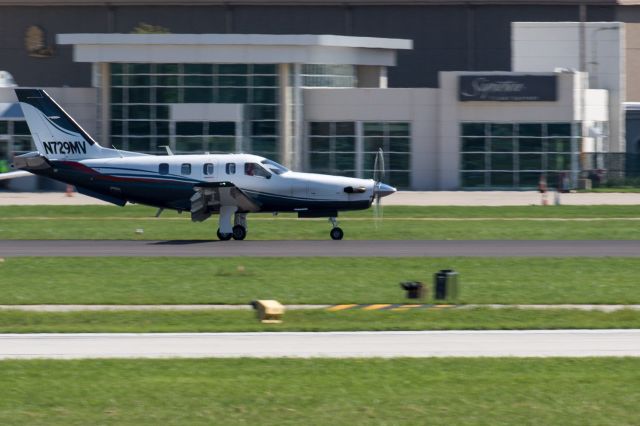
(231, 168)
(163, 169)
(255, 169)
(185, 169)
(207, 169)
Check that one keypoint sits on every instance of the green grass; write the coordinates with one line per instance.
(312, 280)
(313, 320)
(437, 223)
(493, 391)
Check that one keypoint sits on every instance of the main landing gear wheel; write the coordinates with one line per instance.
(239, 232)
(336, 233)
(224, 237)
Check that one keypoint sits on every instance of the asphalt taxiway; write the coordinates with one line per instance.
(542, 343)
(326, 248)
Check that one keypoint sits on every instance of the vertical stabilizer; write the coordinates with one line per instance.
(55, 133)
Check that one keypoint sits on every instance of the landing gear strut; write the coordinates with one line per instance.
(240, 226)
(336, 232)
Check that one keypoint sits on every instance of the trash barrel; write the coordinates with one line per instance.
(445, 284)
(414, 289)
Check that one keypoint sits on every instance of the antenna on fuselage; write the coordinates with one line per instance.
(117, 150)
(168, 148)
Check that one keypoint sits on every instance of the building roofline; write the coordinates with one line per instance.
(109, 3)
(326, 40)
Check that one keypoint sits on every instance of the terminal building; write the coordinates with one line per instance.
(320, 87)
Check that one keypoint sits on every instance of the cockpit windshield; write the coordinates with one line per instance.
(275, 167)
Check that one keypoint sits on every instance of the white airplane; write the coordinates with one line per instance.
(231, 185)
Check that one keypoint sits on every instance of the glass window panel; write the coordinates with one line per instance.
(163, 168)
(220, 144)
(345, 161)
(230, 168)
(346, 128)
(139, 68)
(118, 80)
(140, 80)
(320, 162)
(501, 145)
(559, 161)
(232, 95)
(345, 143)
(263, 112)
(207, 169)
(117, 111)
(117, 68)
(139, 111)
(398, 129)
(162, 112)
(185, 169)
(473, 129)
(139, 96)
(116, 95)
(559, 129)
(264, 69)
(501, 129)
(198, 96)
(4, 128)
(498, 179)
(222, 128)
(472, 180)
(530, 145)
(117, 127)
(473, 144)
(265, 96)
(263, 128)
(559, 145)
(233, 80)
(530, 161)
(189, 128)
(528, 179)
(167, 80)
(198, 80)
(232, 68)
(373, 144)
(530, 129)
(318, 143)
(265, 80)
(398, 162)
(399, 144)
(473, 162)
(20, 128)
(264, 144)
(189, 144)
(167, 95)
(140, 144)
(162, 128)
(167, 68)
(501, 161)
(139, 128)
(318, 128)
(399, 179)
(198, 68)
(373, 129)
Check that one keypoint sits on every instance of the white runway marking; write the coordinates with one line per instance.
(539, 343)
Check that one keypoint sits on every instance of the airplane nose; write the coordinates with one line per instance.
(382, 190)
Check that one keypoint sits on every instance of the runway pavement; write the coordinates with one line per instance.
(328, 248)
(543, 343)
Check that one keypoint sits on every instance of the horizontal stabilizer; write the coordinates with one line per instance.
(13, 175)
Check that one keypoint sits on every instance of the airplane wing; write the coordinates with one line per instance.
(13, 175)
(210, 196)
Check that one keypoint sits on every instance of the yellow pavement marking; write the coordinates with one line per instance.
(374, 307)
(411, 306)
(340, 307)
(442, 306)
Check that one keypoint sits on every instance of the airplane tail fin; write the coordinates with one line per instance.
(55, 133)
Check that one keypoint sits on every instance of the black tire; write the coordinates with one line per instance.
(224, 237)
(336, 234)
(239, 232)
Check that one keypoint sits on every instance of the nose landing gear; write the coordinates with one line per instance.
(336, 232)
